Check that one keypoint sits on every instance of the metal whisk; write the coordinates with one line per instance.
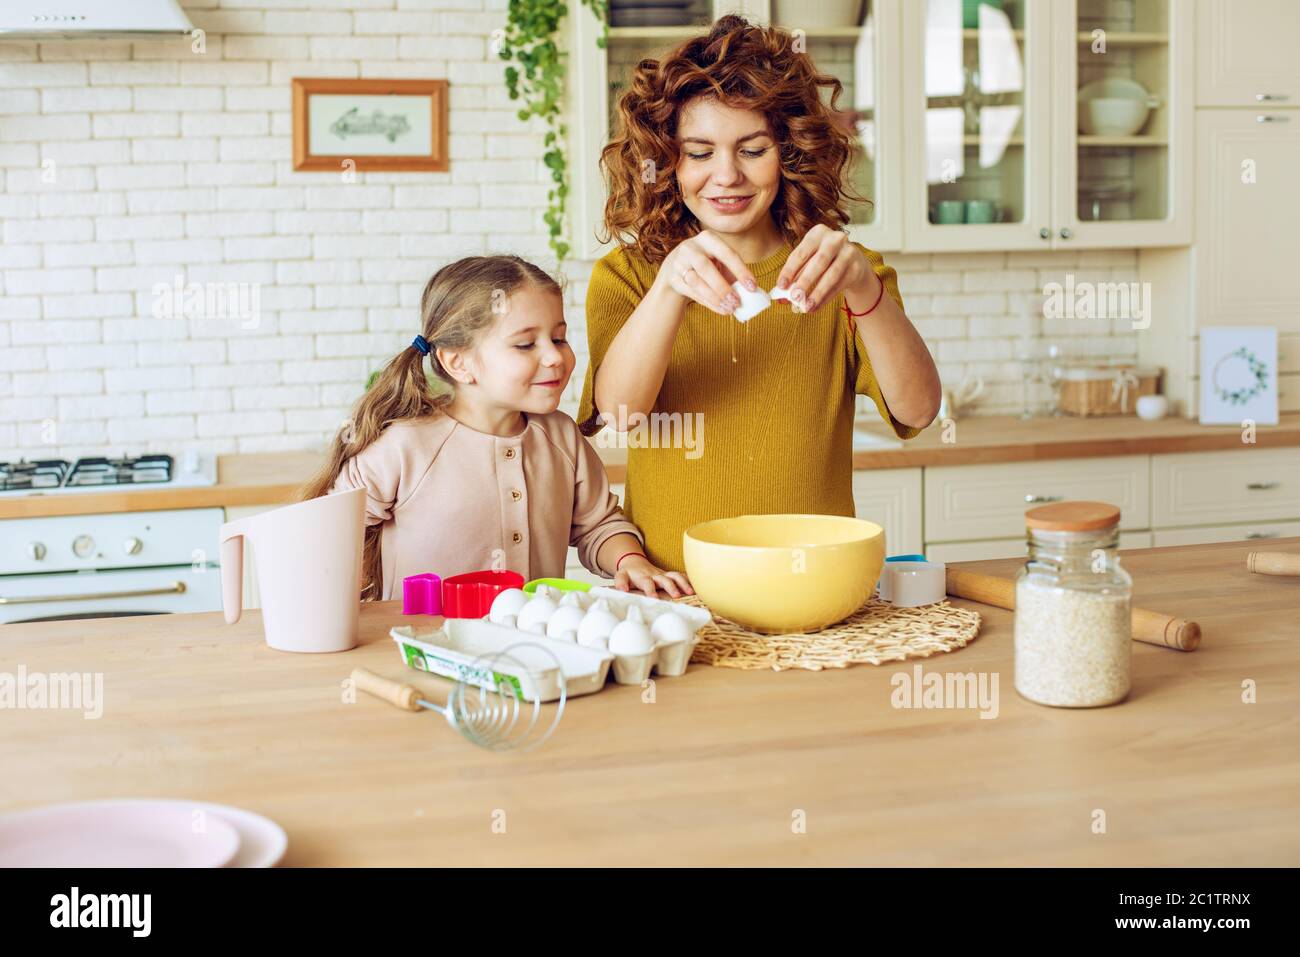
(490, 717)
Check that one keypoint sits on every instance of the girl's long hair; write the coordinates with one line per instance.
(458, 304)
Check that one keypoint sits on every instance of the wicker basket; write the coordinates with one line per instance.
(1106, 390)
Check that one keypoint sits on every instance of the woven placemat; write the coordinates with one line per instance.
(875, 633)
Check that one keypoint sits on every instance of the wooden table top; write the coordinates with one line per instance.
(275, 478)
(719, 767)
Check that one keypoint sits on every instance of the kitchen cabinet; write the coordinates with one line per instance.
(1112, 188)
(892, 499)
(991, 125)
(1208, 535)
(1247, 209)
(1246, 54)
(977, 511)
(1239, 271)
(1015, 548)
(974, 502)
(977, 107)
(1208, 488)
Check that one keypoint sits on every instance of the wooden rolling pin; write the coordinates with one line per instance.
(1273, 563)
(1149, 626)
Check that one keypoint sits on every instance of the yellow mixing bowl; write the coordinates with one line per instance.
(784, 573)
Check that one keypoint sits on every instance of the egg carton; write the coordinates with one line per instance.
(667, 658)
(480, 653)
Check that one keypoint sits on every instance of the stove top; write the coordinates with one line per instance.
(52, 476)
(40, 474)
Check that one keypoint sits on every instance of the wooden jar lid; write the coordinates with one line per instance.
(1073, 516)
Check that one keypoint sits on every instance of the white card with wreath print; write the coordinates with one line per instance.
(1239, 375)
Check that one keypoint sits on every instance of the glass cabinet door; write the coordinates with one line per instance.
(977, 123)
(1126, 81)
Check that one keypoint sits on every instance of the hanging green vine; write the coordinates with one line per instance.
(538, 80)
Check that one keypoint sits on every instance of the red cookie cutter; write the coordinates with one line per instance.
(422, 595)
(471, 595)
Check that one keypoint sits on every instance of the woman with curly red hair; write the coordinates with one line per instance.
(729, 168)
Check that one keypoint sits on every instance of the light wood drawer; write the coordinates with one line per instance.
(973, 502)
(1011, 548)
(1208, 535)
(892, 499)
(1203, 488)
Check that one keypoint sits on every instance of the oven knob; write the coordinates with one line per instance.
(83, 546)
(132, 546)
(36, 551)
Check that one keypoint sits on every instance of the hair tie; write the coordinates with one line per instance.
(422, 344)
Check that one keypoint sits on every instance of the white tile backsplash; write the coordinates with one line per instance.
(126, 165)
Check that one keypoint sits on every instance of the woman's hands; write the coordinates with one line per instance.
(638, 572)
(824, 264)
(695, 269)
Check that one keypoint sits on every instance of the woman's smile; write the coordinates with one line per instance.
(729, 205)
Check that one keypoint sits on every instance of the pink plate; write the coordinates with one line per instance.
(133, 833)
(262, 842)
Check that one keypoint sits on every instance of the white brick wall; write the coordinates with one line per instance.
(124, 165)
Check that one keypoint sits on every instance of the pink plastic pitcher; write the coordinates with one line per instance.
(308, 559)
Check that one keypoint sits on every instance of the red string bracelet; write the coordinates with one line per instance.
(880, 295)
(627, 555)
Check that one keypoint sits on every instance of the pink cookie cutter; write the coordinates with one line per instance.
(471, 595)
(422, 595)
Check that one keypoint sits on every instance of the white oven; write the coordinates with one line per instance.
(97, 566)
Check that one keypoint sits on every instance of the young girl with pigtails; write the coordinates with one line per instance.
(485, 473)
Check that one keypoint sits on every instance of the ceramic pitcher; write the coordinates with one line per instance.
(308, 561)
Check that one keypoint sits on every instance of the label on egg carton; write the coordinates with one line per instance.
(495, 657)
(668, 658)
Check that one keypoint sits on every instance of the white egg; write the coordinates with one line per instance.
(534, 615)
(506, 606)
(631, 636)
(670, 628)
(564, 623)
(596, 625)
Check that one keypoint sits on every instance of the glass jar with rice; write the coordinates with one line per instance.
(1073, 625)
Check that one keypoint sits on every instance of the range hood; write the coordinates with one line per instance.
(89, 19)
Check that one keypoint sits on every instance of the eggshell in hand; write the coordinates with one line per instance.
(751, 303)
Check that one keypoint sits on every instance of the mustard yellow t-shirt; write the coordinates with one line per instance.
(771, 430)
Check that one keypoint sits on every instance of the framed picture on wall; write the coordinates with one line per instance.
(1239, 375)
(381, 125)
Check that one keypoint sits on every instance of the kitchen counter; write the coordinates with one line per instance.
(263, 478)
(274, 478)
(717, 768)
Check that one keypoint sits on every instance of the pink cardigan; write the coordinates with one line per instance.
(454, 500)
